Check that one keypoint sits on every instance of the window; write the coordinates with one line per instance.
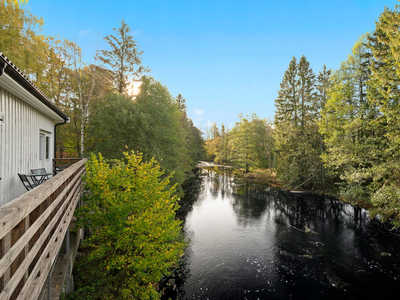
(44, 145)
(41, 146)
(47, 147)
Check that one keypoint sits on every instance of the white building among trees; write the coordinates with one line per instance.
(28, 121)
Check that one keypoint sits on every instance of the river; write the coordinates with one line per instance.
(250, 241)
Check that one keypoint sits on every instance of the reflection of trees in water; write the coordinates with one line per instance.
(249, 201)
(218, 181)
(339, 249)
(192, 188)
(213, 180)
(320, 243)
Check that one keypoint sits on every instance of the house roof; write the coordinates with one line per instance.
(12, 71)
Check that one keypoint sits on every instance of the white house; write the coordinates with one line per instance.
(27, 129)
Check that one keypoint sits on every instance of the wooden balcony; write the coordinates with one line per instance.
(32, 229)
(60, 164)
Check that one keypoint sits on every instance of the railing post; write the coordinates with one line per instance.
(49, 286)
(31, 236)
(6, 248)
(67, 241)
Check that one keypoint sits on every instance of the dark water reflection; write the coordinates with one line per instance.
(252, 242)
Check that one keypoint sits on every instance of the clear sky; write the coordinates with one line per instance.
(224, 57)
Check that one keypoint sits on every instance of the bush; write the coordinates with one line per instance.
(387, 202)
(136, 239)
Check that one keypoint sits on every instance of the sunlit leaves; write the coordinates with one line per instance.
(136, 238)
(124, 58)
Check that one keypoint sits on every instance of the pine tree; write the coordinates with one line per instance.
(124, 58)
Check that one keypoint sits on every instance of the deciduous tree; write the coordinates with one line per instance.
(136, 239)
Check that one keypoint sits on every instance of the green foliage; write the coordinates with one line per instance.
(20, 38)
(360, 122)
(136, 239)
(153, 124)
(249, 142)
(346, 124)
(384, 93)
(159, 131)
(298, 143)
(222, 153)
(386, 200)
(112, 126)
(194, 142)
(123, 57)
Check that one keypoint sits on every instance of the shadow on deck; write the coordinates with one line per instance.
(33, 227)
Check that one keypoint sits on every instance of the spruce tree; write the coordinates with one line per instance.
(306, 91)
(384, 91)
(322, 86)
(319, 101)
(352, 146)
(124, 58)
(287, 101)
(296, 134)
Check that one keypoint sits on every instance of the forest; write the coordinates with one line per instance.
(334, 131)
(105, 116)
(141, 148)
(337, 131)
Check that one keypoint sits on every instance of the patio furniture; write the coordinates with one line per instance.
(39, 175)
(26, 182)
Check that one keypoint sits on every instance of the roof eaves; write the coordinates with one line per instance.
(15, 73)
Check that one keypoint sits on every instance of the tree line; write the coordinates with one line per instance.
(247, 145)
(146, 146)
(104, 115)
(336, 131)
(361, 122)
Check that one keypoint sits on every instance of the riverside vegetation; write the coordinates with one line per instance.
(136, 239)
(336, 131)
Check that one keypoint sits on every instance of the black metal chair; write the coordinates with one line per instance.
(26, 182)
(40, 173)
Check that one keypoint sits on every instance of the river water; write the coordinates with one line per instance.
(250, 241)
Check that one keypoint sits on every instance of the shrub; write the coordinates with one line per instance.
(136, 239)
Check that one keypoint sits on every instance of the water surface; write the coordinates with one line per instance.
(250, 241)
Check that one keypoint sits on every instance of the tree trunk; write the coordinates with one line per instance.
(82, 138)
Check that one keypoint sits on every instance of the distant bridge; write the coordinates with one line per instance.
(34, 232)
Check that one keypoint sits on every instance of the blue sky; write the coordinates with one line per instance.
(224, 57)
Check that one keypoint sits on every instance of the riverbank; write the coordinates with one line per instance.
(248, 241)
(262, 176)
(265, 176)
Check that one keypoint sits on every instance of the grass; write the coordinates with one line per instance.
(263, 176)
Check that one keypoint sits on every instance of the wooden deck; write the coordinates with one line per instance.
(32, 229)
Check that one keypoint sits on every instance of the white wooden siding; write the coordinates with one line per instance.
(19, 138)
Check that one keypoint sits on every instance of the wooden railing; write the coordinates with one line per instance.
(60, 164)
(32, 229)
